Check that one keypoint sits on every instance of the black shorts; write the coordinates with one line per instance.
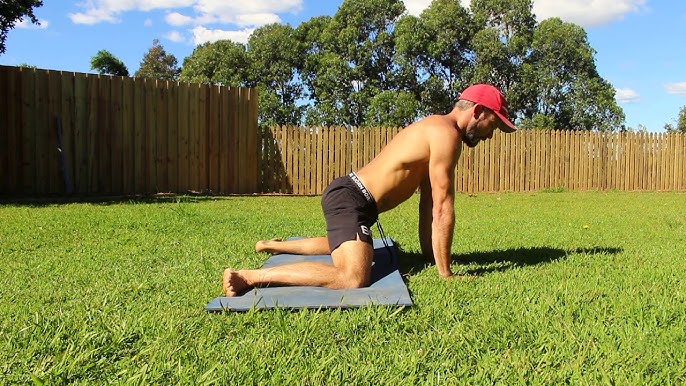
(350, 211)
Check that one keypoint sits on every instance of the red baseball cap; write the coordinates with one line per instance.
(489, 96)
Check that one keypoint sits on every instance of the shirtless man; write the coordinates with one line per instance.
(422, 155)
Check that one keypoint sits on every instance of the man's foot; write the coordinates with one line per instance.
(233, 282)
(268, 246)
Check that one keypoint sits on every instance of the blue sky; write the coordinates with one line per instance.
(637, 41)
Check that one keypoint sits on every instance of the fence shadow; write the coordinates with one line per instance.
(273, 177)
(113, 200)
(500, 260)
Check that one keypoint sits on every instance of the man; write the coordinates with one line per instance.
(422, 155)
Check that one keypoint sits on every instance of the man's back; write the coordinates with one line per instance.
(400, 167)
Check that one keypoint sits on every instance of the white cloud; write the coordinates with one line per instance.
(415, 7)
(94, 16)
(148, 23)
(177, 19)
(99, 11)
(587, 13)
(225, 8)
(175, 36)
(676, 88)
(257, 19)
(256, 12)
(203, 35)
(240, 20)
(27, 24)
(210, 20)
(626, 95)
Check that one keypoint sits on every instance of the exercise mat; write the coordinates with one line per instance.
(387, 287)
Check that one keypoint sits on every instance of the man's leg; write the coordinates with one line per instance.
(352, 266)
(308, 246)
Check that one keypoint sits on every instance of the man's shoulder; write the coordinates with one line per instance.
(440, 122)
(441, 126)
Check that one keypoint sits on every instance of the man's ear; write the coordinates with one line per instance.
(478, 110)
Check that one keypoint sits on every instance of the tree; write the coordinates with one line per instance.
(331, 84)
(157, 64)
(106, 63)
(538, 121)
(274, 55)
(501, 46)
(370, 64)
(326, 77)
(358, 41)
(436, 49)
(560, 80)
(12, 11)
(222, 62)
(392, 108)
(680, 123)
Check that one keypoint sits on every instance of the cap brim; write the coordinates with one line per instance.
(507, 126)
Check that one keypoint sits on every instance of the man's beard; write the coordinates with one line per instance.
(470, 139)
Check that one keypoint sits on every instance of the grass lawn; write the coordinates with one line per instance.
(577, 288)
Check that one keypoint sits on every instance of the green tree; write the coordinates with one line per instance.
(359, 37)
(560, 80)
(330, 86)
(436, 49)
(369, 64)
(680, 123)
(275, 55)
(106, 63)
(222, 62)
(538, 121)
(501, 46)
(12, 11)
(326, 77)
(392, 108)
(157, 64)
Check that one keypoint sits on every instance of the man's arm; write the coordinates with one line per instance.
(442, 179)
(425, 219)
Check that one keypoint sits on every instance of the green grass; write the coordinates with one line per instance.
(576, 288)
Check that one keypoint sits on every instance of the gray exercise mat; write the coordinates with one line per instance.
(387, 288)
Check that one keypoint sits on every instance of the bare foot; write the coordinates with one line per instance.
(233, 282)
(267, 245)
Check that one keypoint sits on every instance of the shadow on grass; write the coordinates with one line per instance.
(113, 200)
(500, 260)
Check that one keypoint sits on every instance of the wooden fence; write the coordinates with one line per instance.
(83, 134)
(63, 132)
(303, 160)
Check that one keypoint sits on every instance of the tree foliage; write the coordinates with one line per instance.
(561, 82)
(275, 55)
(680, 123)
(222, 62)
(357, 62)
(12, 11)
(157, 64)
(436, 49)
(373, 64)
(105, 63)
(391, 108)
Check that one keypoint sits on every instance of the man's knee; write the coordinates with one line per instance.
(354, 260)
(355, 280)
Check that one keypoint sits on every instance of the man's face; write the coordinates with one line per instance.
(480, 128)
